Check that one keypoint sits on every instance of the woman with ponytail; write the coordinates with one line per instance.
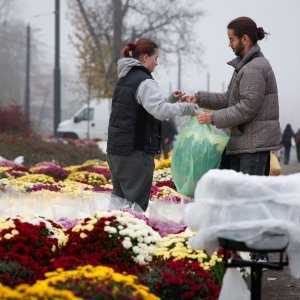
(134, 126)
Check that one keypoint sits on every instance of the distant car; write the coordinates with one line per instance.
(91, 121)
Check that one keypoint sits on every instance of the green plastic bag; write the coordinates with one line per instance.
(198, 149)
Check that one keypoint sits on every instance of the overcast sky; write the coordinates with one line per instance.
(280, 18)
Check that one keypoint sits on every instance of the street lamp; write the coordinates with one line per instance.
(57, 103)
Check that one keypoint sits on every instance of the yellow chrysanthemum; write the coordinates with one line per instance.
(73, 168)
(45, 289)
(4, 169)
(8, 293)
(94, 163)
(74, 188)
(166, 191)
(34, 169)
(177, 246)
(36, 178)
(161, 164)
(90, 178)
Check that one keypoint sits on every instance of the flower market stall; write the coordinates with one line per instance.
(60, 239)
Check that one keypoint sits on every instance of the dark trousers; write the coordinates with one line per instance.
(249, 163)
(298, 151)
(287, 150)
(166, 148)
(132, 176)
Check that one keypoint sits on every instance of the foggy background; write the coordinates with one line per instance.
(281, 48)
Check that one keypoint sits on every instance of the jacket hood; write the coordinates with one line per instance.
(125, 64)
(240, 61)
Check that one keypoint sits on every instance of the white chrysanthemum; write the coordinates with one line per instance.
(147, 239)
(8, 236)
(136, 249)
(110, 229)
(133, 230)
(140, 259)
(127, 244)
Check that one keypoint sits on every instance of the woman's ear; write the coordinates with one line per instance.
(145, 58)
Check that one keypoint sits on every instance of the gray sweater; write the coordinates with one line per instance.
(249, 106)
(149, 96)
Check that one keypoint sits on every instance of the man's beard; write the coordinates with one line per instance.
(239, 49)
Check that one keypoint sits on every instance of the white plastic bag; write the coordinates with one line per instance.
(234, 286)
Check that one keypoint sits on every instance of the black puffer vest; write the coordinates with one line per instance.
(131, 127)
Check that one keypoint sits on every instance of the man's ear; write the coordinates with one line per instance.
(245, 39)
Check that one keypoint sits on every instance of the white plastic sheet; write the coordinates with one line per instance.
(18, 160)
(253, 209)
(61, 205)
(167, 211)
(53, 205)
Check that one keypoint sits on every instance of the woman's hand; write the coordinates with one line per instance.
(177, 94)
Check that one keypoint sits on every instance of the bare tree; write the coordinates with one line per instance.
(102, 28)
(13, 71)
(12, 53)
(12, 60)
(6, 10)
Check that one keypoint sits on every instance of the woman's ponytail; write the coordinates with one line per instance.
(140, 47)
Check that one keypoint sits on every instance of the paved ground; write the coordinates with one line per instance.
(278, 285)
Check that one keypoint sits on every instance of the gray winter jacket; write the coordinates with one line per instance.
(249, 106)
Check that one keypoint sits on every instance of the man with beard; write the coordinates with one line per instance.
(249, 106)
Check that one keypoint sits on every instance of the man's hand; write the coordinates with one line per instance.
(205, 118)
(189, 98)
(166, 141)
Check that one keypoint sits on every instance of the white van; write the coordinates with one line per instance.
(90, 122)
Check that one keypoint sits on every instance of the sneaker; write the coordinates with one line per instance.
(261, 260)
(259, 257)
